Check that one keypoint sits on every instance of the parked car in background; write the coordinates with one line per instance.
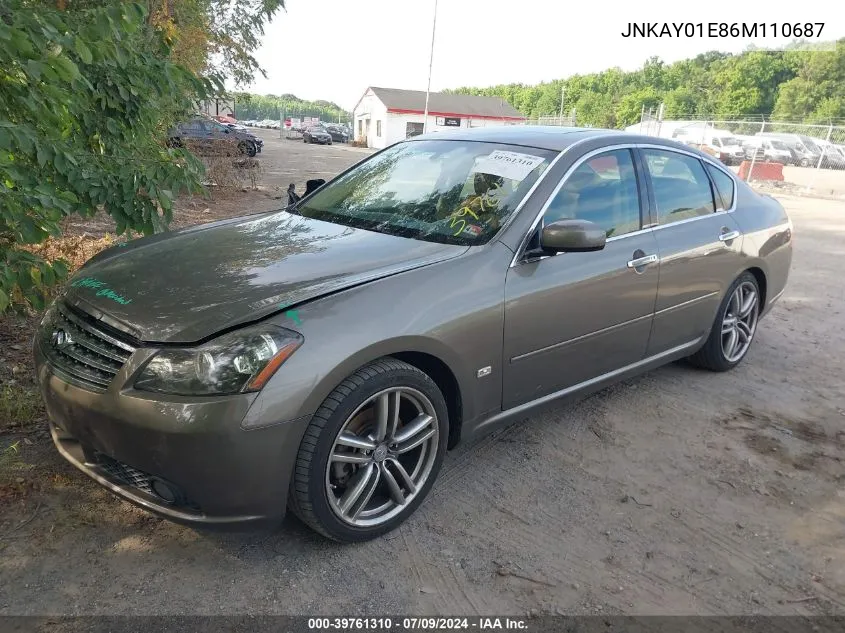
(832, 156)
(723, 143)
(324, 357)
(338, 133)
(236, 126)
(766, 149)
(317, 134)
(805, 152)
(208, 137)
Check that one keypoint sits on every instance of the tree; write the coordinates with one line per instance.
(84, 95)
(215, 37)
(88, 92)
(252, 106)
(799, 84)
(817, 92)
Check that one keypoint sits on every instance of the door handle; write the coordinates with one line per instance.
(642, 261)
(730, 235)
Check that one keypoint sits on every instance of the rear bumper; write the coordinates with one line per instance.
(213, 472)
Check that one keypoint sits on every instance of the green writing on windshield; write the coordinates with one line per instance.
(102, 289)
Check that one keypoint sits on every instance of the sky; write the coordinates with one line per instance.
(334, 49)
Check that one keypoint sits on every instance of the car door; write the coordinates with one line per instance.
(201, 136)
(698, 242)
(575, 316)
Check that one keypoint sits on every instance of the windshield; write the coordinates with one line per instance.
(778, 145)
(454, 192)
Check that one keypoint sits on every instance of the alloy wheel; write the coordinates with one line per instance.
(382, 456)
(740, 321)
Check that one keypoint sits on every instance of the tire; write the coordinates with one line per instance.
(804, 162)
(713, 355)
(247, 148)
(329, 143)
(304, 140)
(354, 405)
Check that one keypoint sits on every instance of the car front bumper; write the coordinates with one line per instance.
(212, 471)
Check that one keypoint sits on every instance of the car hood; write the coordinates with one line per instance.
(185, 286)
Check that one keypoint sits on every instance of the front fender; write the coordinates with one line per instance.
(453, 311)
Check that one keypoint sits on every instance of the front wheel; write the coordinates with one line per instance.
(734, 328)
(371, 453)
(248, 148)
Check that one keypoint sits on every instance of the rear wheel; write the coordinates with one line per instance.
(371, 453)
(734, 328)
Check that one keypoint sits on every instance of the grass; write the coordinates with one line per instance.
(20, 407)
(14, 472)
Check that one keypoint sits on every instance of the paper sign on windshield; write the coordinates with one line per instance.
(512, 165)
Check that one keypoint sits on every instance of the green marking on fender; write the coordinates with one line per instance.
(293, 316)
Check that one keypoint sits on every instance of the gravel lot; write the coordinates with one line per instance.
(679, 492)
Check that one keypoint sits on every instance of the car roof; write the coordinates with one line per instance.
(554, 138)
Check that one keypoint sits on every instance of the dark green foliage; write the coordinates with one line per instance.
(799, 85)
(86, 97)
(258, 107)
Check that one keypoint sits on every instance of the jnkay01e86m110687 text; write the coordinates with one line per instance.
(786, 30)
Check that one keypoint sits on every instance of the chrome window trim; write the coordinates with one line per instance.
(609, 148)
(658, 227)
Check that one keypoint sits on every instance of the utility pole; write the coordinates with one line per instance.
(562, 95)
(430, 64)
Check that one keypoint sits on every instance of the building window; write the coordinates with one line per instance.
(360, 127)
(378, 129)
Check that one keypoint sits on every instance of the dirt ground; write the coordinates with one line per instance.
(679, 492)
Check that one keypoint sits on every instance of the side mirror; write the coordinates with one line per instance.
(572, 236)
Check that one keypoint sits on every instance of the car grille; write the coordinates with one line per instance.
(82, 351)
(125, 474)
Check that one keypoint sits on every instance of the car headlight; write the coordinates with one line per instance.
(243, 360)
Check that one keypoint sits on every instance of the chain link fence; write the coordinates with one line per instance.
(565, 121)
(769, 154)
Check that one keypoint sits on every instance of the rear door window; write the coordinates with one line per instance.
(724, 186)
(681, 186)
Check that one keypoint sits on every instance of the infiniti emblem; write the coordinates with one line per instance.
(380, 453)
(61, 339)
